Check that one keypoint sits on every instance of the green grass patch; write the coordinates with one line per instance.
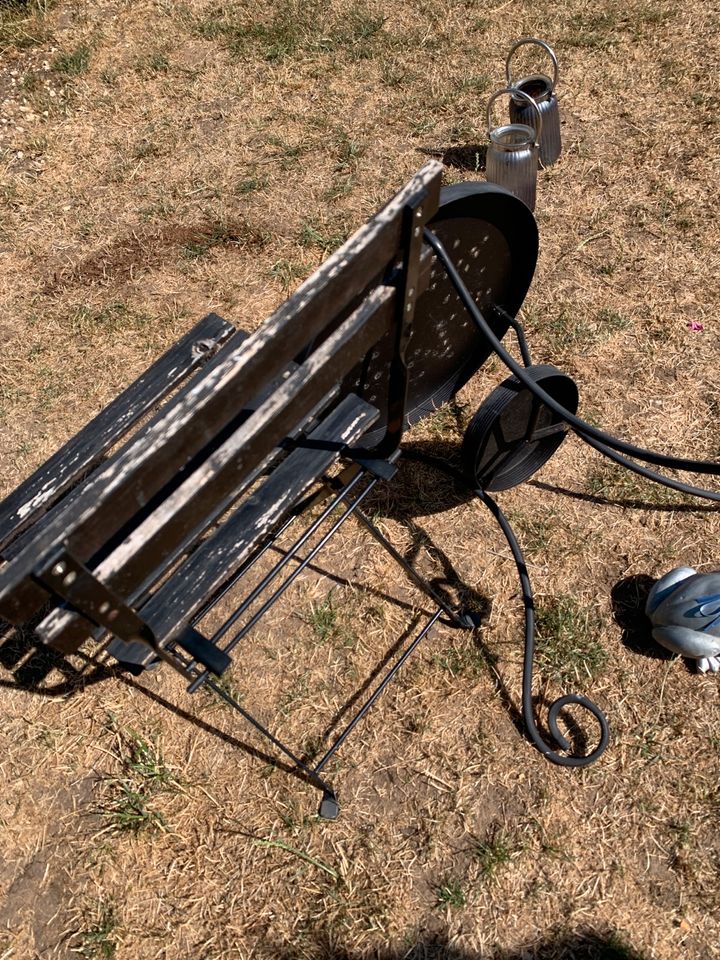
(127, 804)
(447, 422)
(567, 332)
(152, 64)
(326, 621)
(348, 152)
(535, 532)
(99, 941)
(221, 234)
(288, 273)
(327, 239)
(128, 811)
(290, 29)
(566, 641)
(223, 685)
(614, 482)
(450, 894)
(249, 185)
(493, 853)
(114, 317)
(72, 63)
(610, 322)
(466, 659)
(594, 31)
(22, 23)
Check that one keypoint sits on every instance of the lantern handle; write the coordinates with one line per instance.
(538, 43)
(514, 92)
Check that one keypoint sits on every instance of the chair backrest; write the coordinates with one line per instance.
(136, 513)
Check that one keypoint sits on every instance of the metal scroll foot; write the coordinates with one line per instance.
(534, 734)
(561, 742)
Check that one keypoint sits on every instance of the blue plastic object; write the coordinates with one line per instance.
(684, 609)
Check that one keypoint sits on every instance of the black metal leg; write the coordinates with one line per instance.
(290, 555)
(329, 801)
(329, 806)
(377, 692)
(289, 580)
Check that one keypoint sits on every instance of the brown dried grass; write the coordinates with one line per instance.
(176, 175)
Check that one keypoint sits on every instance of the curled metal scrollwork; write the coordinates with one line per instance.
(553, 754)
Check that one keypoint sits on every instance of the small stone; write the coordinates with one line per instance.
(20, 155)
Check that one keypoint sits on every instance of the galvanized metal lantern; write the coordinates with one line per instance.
(542, 91)
(513, 153)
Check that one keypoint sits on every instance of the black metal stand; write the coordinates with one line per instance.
(348, 498)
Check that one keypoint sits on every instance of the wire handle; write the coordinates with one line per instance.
(538, 43)
(513, 92)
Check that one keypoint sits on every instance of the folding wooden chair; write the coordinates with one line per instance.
(135, 530)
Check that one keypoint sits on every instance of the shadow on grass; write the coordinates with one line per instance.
(585, 944)
(31, 664)
(471, 156)
(418, 489)
(632, 502)
(628, 598)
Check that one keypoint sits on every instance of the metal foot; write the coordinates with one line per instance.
(468, 619)
(329, 807)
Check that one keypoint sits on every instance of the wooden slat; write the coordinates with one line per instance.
(110, 498)
(213, 487)
(223, 553)
(65, 629)
(37, 531)
(44, 487)
(30, 595)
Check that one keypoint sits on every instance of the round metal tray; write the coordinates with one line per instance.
(492, 239)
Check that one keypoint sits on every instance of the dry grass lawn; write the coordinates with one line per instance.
(160, 159)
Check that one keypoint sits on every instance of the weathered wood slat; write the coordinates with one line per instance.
(30, 596)
(218, 557)
(37, 530)
(47, 484)
(65, 629)
(118, 489)
(42, 523)
(217, 482)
